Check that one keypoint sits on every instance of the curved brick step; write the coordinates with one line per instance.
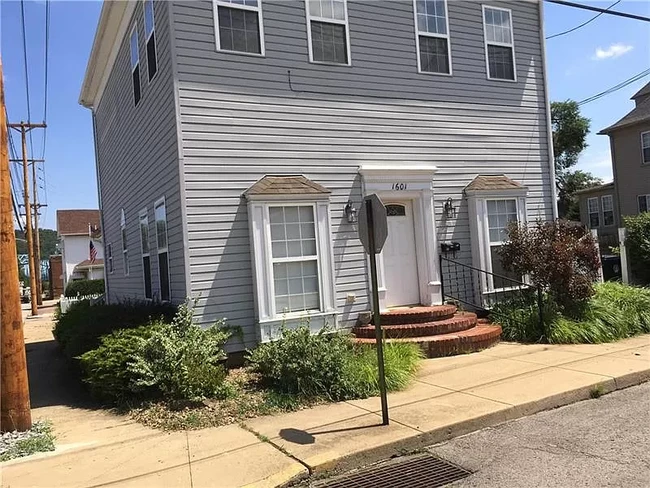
(459, 322)
(417, 315)
(471, 340)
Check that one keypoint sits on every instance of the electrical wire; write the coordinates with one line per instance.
(29, 115)
(584, 23)
(614, 88)
(16, 180)
(45, 98)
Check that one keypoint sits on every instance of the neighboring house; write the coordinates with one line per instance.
(77, 229)
(599, 210)
(235, 142)
(630, 145)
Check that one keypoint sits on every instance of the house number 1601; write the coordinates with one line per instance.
(399, 186)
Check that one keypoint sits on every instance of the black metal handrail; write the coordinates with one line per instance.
(486, 292)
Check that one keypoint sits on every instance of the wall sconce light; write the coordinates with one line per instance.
(449, 209)
(350, 212)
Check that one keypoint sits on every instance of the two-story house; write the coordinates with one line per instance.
(236, 139)
(77, 229)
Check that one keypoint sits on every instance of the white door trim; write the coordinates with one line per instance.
(414, 183)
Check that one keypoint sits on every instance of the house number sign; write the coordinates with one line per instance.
(399, 186)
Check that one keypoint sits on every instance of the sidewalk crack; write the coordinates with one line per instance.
(189, 459)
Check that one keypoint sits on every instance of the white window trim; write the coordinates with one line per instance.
(503, 44)
(602, 204)
(215, 13)
(345, 23)
(160, 250)
(430, 34)
(490, 245)
(261, 255)
(144, 215)
(125, 248)
(643, 161)
(647, 202)
(480, 233)
(590, 213)
(109, 258)
(147, 37)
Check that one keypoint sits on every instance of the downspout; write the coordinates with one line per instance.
(99, 200)
(549, 127)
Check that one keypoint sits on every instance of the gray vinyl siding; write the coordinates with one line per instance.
(137, 155)
(241, 119)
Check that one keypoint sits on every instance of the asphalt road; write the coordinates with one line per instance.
(595, 443)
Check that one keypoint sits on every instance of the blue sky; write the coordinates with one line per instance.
(580, 64)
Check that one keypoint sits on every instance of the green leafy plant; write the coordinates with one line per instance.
(84, 288)
(637, 243)
(39, 438)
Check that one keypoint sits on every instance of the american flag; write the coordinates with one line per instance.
(93, 253)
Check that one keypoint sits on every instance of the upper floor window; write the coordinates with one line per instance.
(150, 36)
(644, 203)
(135, 65)
(432, 31)
(125, 249)
(160, 215)
(594, 212)
(499, 43)
(608, 209)
(645, 147)
(327, 31)
(239, 26)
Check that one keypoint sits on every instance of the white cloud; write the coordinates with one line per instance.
(613, 51)
(597, 162)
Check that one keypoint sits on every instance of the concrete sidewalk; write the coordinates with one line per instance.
(452, 396)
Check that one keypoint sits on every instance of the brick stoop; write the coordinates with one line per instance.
(439, 330)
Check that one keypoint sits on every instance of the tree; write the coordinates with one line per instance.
(570, 131)
(638, 246)
(48, 241)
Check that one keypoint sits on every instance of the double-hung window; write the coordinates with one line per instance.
(500, 214)
(594, 212)
(238, 25)
(125, 249)
(608, 209)
(146, 255)
(432, 32)
(160, 214)
(109, 257)
(295, 258)
(499, 43)
(150, 37)
(644, 203)
(327, 31)
(645, 147)
(135, 66)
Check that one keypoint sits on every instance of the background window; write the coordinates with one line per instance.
(500, 50)
(146, 256)
(500, 214)
(150, 36)
(644, 203)
(594, 213)
(328, 31)
(295, 259)
(608, 210)
(125, 250)
(239, 26)
(645, 147)
(433, 36)
(135, 66)
(160, 214)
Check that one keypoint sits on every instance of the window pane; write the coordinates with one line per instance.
(136, 85)
(433, 54)
(296, 286)
(135, 55)
(501, 280)
(152, 61)
(161, 226)
(293, 231)
(500, 214)
(431, 16)
(500, 62)
(646, 155)
(644, 203)
(146, 267)
(497, 26)
(148, 17)
(329, 42)
(163, 269)
(239, 30)
(144, 235)
(593, 220)
(608, 218)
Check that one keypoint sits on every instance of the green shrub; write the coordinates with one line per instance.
(84, 288)
(519, 319)
(182, 360)
(637, 243)
(328, 365)
(79, 329)
(106, 368)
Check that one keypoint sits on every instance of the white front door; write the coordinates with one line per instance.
(400, 259)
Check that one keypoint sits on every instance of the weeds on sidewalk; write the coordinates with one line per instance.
(39, 438)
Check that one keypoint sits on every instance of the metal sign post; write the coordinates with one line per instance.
(373, 231)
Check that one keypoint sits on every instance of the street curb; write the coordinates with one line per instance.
(442, 434)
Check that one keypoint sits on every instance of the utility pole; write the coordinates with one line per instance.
(37, 239)
(24, 128)
(15, 413)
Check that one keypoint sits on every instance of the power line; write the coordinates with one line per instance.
(29, 115)
(47, 52)
(584, 23)
(601, 10)
(614, 88)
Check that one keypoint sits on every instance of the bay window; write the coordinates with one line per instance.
(500, 214)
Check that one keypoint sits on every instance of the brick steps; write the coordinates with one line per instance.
(417, 315)
(457, 323)
(466, 341)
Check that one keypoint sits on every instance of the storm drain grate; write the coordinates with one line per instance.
(424, 471)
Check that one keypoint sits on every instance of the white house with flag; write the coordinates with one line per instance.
(81, 245)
